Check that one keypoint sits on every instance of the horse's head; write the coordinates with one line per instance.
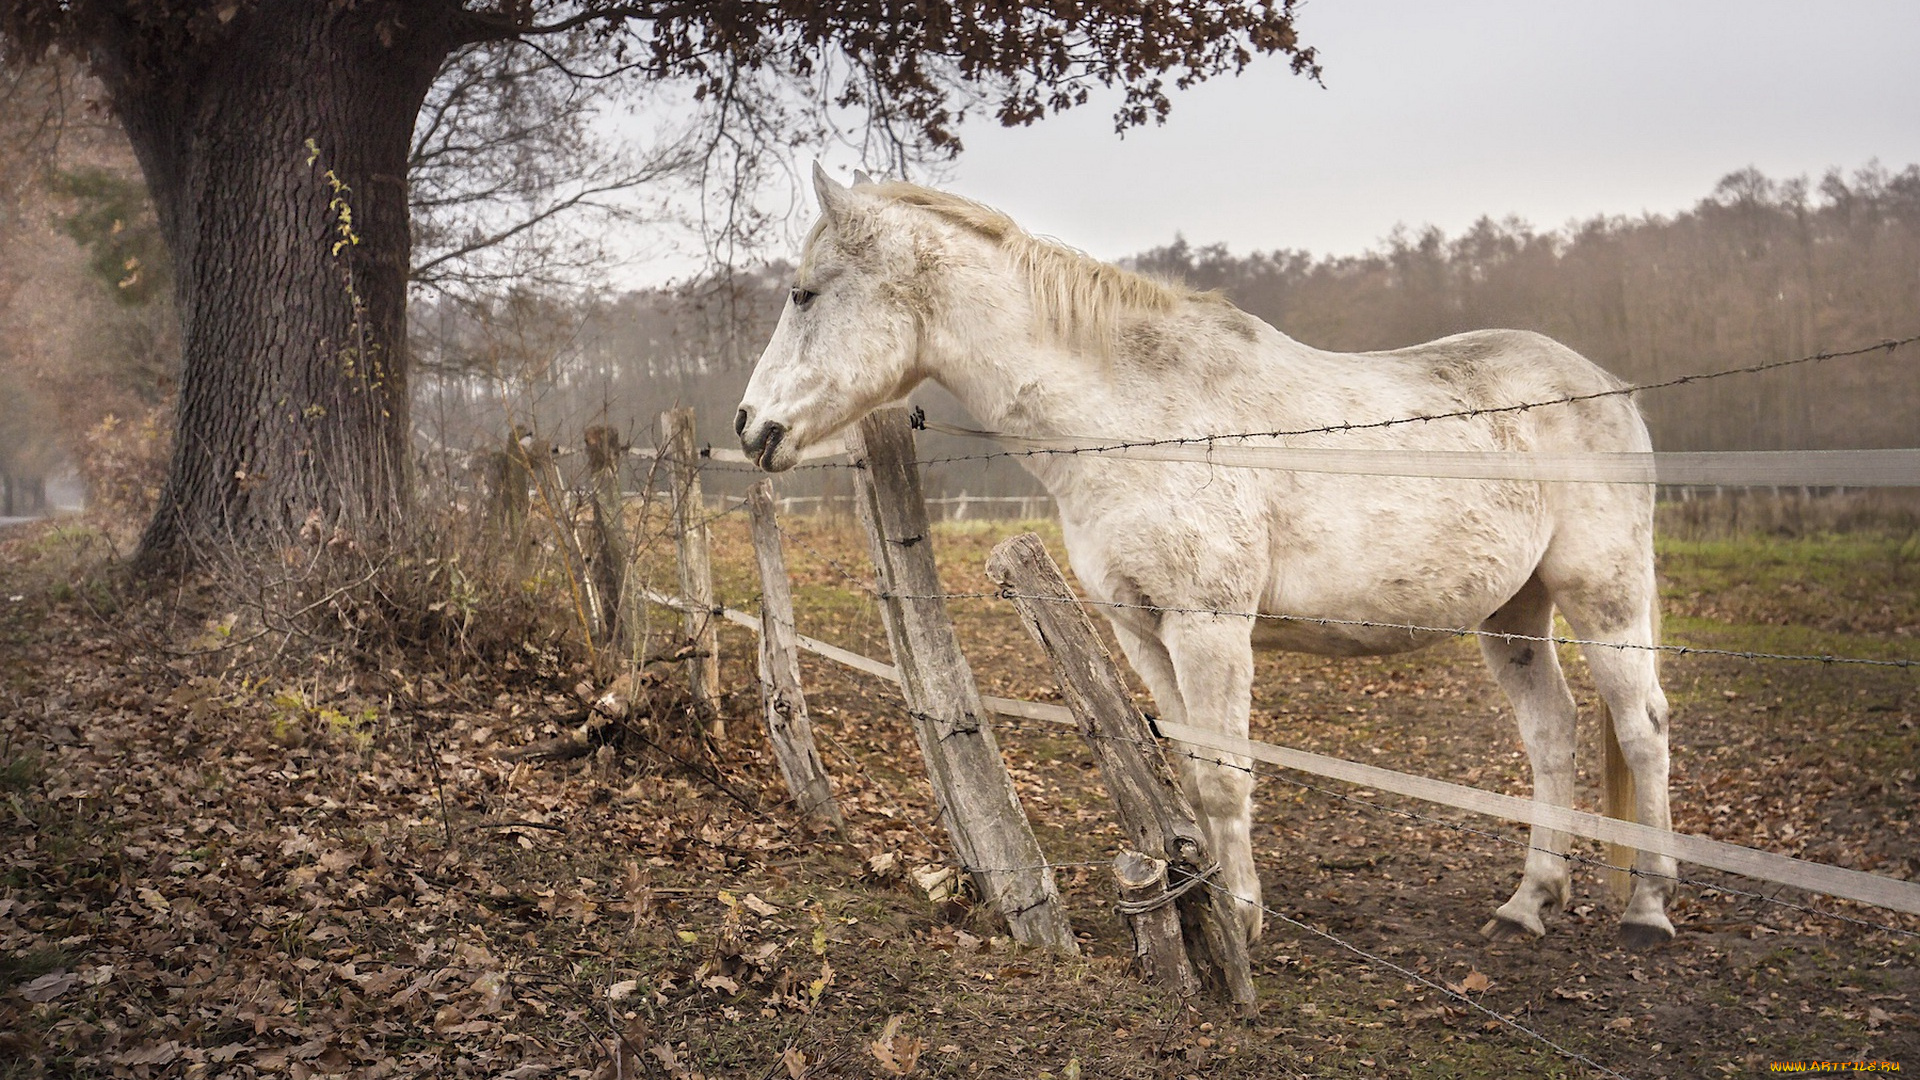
(848, 340)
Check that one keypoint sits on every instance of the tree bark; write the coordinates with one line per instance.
(275, 147)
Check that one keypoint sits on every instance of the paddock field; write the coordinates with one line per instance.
(1805, 759)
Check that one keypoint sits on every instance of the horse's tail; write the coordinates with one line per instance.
(1616, 793)
(1616, 801)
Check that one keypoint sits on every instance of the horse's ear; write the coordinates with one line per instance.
(834, 201)
(860, 177)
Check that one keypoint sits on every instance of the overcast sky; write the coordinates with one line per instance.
(1441, 112)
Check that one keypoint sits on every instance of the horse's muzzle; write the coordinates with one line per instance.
(764, 441)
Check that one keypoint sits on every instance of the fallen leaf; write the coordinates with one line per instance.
(1475, 982)
(795, 1061)
(48, 987)
(156, 1054)
(938, 882)
(493, 992)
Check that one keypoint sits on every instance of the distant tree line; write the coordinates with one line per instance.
(1759, 270)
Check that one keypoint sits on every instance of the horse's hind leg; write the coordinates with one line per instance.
(1621, 610)
(1529, 671)
(1629, 680)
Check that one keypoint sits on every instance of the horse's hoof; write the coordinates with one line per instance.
(1643, 936)
(1501, 928)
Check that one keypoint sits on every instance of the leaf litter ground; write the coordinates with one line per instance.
(310, 868)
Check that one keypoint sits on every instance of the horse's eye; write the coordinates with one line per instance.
(802, 297)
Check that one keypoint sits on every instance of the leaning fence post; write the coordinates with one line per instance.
(782, 701)
(696, 566)
(982, 813)
(1154, 813)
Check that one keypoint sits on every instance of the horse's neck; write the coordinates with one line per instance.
(1020, 386)
(1011, 374)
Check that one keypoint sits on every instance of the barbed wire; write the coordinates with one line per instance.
(1410, 974)
(1283, 778)
(920, 420)
(863, 584)
(1327, 935)
(1171, 748)
(1416, 628)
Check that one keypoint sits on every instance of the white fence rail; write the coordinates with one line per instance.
(1874, 889)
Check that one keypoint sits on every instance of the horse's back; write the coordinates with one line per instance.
(1537, 393)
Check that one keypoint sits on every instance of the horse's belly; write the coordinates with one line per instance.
(1392, 590)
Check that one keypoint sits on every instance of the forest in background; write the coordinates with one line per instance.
(1759, 270)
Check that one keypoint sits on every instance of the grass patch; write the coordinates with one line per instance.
(21, 774)
(29, 964)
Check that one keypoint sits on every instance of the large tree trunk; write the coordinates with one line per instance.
(275, 147)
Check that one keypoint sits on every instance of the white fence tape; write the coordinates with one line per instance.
(1885, 892)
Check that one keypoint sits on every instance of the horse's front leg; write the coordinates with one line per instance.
(1212, 660)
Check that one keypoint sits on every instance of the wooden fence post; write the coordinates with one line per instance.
(682, 457)
(977, 802)
(782, 701)
(541, 459)
(509, 479)
(1155, 814)
(619, 613)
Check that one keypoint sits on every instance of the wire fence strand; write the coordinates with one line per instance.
(1173, 749)
(1888, 346)
(1413, 976)
(1416, 628)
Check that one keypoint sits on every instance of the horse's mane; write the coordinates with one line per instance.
(1083, 300)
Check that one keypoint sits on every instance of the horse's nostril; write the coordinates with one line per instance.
(740, 422)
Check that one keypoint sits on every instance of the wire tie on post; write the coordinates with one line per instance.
(1168, 895)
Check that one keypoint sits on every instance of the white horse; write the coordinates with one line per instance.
(898, 283)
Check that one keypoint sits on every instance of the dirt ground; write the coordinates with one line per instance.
(219, 862)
